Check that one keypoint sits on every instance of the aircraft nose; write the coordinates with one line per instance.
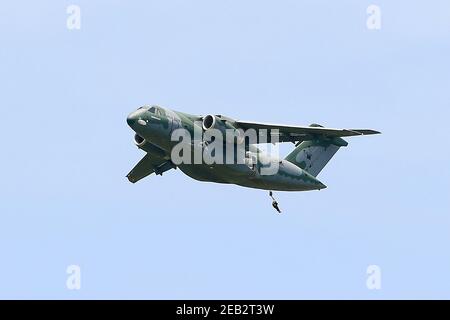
(133, 117)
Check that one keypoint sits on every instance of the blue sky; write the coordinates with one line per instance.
(65, 200)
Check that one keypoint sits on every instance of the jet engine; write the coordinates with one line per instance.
(143, 144)
(225, 126)
(139, 141)
(209, 122)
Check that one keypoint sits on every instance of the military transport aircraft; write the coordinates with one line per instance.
(315, 145)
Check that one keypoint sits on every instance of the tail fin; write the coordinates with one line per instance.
(313, 155)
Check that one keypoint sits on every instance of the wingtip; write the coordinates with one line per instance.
(365, 132)
(128, 176)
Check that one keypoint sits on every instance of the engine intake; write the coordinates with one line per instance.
(230, 132)
(209, 122)
(138, 140)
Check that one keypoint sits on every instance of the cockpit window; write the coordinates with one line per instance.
(152, 109)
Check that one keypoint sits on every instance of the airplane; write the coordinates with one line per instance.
(315, 145)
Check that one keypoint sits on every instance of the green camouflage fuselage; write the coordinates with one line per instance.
(154, 127)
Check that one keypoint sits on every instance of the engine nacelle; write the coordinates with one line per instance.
(143, 144)
(228, 130)
(209, 122)
(139, 141)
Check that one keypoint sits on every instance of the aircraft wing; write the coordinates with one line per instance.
(149, 164)
(298, 133)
